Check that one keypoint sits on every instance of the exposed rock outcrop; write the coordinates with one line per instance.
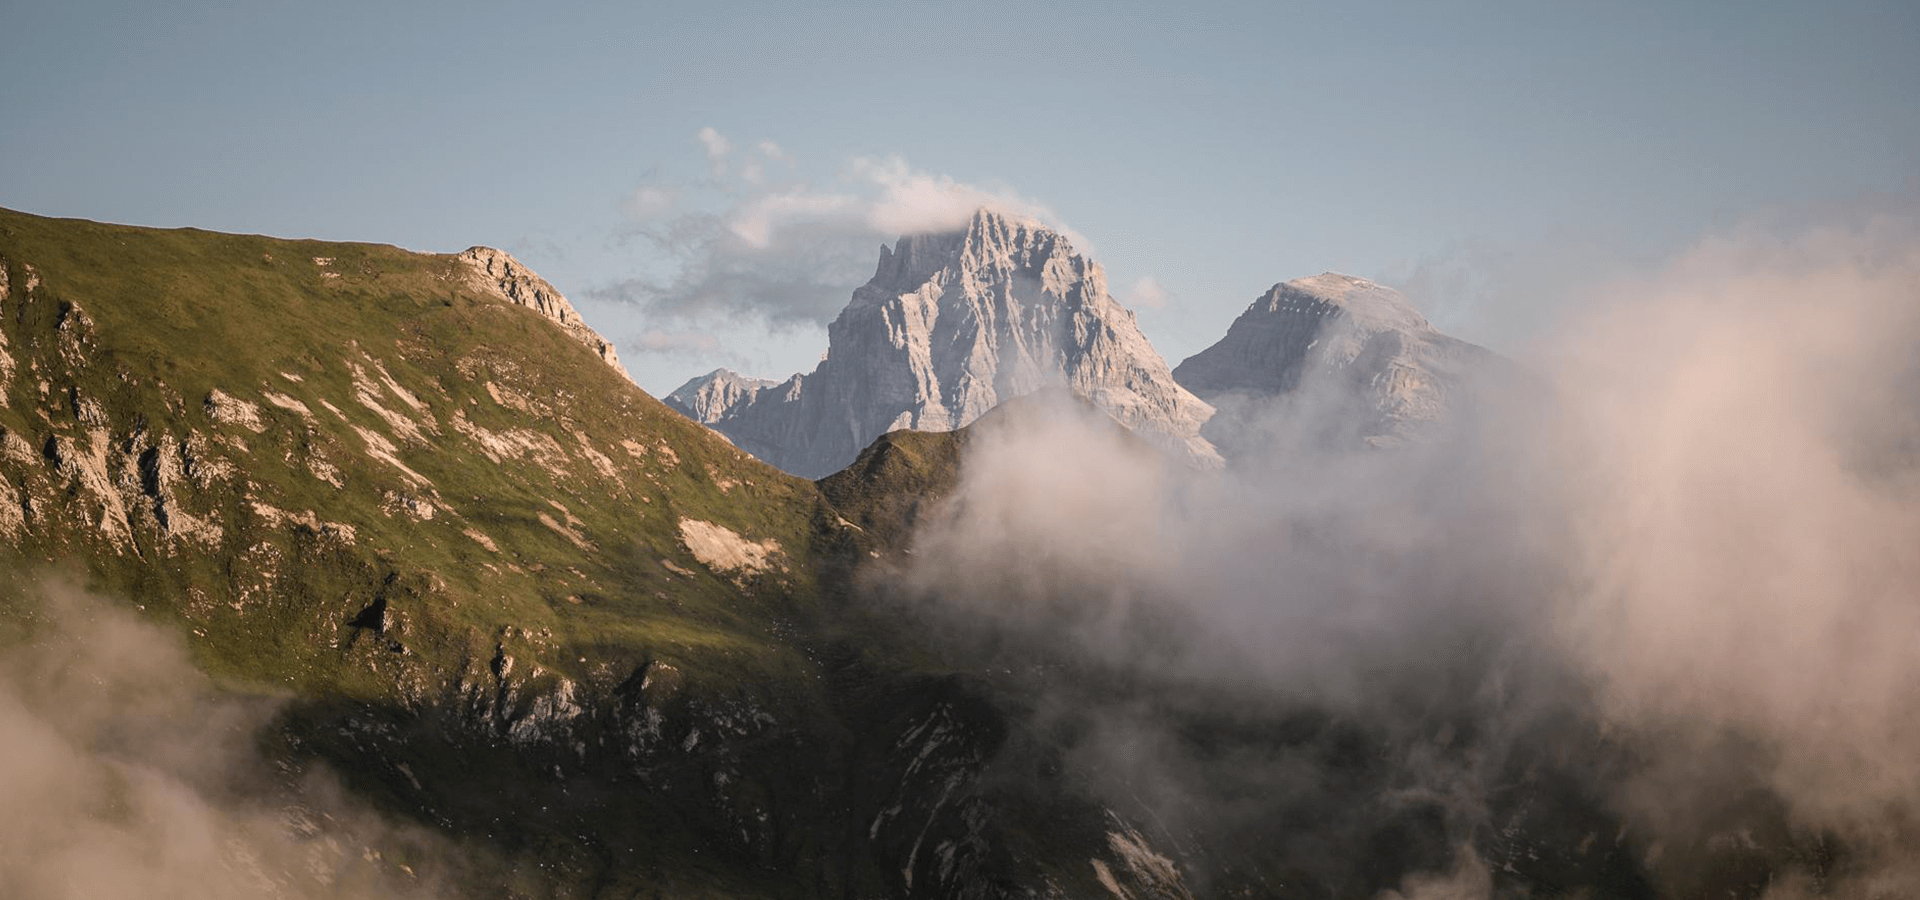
(950, 326)
(708, 398)
(1334, 358)
(498, 273)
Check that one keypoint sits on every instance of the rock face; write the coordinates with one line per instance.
(708, 398)
(949, 326)
(498, 273)
(1336, 357)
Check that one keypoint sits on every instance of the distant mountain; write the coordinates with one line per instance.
(949, 326)
(1335, 359)
(708, 398)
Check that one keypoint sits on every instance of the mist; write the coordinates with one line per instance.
(130, 775)
(1671, 572)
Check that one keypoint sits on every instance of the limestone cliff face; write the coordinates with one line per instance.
(498, 273)
(1337, 355)
(708, 398)
(950, 326)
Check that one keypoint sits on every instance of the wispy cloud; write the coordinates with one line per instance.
(764, 241)
(718, 149)
(1146, 292)
(692, 344)
(130, 774)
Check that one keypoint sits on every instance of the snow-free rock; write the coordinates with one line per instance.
(950, 326)
(1332, 358)
(710, 397)
(499, 274)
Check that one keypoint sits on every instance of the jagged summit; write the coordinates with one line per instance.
(706, 398)
(950, 325)
(1348, 356)
(993, 244)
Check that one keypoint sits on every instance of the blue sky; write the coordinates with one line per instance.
(1481, 156)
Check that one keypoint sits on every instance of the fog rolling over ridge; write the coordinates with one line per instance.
(129, 775)
(1676, 592)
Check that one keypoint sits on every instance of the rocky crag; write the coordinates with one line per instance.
(950, 326)
(708, 398)
(1338, 358)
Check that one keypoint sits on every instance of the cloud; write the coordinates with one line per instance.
(751, 166)
(1146, 292)
(755, 221)
(765, 155)
(717, 148)
(1671, 584)
(772, 152)
(651, 202)
(764, 243)
(1750, 531)
(908, 201)
(129, 775)
(679, 344)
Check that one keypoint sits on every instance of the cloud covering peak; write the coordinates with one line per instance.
(762, 241)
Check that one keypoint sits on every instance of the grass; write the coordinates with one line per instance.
(177, 314)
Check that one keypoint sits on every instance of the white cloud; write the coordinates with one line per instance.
(764, 242)
(678, 343)
(755, 220)
(908, 201)
(1146, 292)
(131, 774)
(765, 155)
(717, 148)
(773, 153)
(652, 201)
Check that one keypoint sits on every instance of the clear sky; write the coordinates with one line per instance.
(709, 181)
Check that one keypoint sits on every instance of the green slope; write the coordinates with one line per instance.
(501, 591)
(369, 390)
(357, 477)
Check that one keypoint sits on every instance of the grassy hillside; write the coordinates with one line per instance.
(357, 477)
(501, 591)
(357, 417)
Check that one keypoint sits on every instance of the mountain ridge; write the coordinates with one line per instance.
(507, 597)
(503, 593)
(1347, 358)
(950, 325)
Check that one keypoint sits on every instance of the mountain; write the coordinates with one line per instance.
(1342, 357)
(417, 496)
(504, 596)
(950, 326)
(708, 398)
(563, 642)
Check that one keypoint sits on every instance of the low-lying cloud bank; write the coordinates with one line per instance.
(1693, 544)
(128, 775)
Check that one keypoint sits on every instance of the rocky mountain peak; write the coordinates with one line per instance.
(1332, 347)
(993, 245)
(951, 325)
(708, 398)
(497, 273)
